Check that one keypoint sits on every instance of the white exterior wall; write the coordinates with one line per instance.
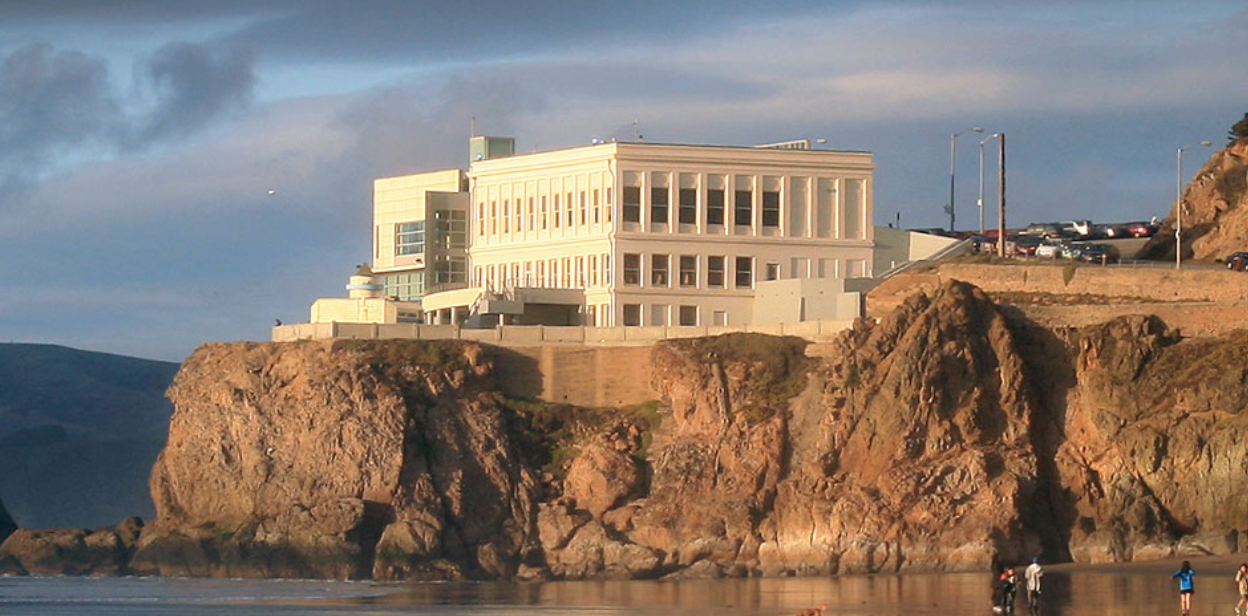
(822, 226)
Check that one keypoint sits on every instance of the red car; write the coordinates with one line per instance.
(1141, 229)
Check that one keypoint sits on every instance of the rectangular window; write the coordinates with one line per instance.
(584, 208)
(688, 206)
(771, 209)
(593, 270)
(558, 211)
(658, 314)
(632, 269)
(773, 271)
(580, 273)
(493, 217)
(715, 206)
(606, 269)
(448, 269)
(715, 272)
(632, 314)
(658, 205)
(481, 218)
(506, 216)
(531, 226)
(852, 216)
(409, 238)
(720, 317)
(688, 315)
(688, 270)
(543, 213)
(825, 198)
(405, 287)
(743, 208)
(744, 273)
(569, 210)
(597, 207)
(658, 270)
(451, 229)
(632, 204)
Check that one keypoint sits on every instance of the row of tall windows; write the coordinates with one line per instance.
(720, 270)
(577, 272)
(814, 207)
(558, 209)
(665, 314)
(405, 286)
(409, 238)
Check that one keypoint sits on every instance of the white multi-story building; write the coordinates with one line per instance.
(622, 233)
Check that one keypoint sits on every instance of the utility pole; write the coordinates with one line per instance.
(1001, 201)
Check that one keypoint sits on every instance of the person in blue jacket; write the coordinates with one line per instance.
(1186, 590)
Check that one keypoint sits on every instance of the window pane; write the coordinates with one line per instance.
(658, 270)
(658, 205)
(743, 212)
(744, 278)
(688, 315)
(715, 207)
(688, 270)
(715, 272)
(632, 314)
(632, 269)
(632, 204)
(688, 206)
(771, 209)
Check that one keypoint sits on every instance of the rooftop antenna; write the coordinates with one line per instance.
(472, 124)
(637, 131)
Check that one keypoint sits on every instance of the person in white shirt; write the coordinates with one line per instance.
(1033, 574)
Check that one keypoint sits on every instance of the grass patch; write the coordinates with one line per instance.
(428, 355)
(548, 434)
(777, 365)
(1044, 298)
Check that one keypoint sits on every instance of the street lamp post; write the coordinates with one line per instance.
(981, 178)
(1178, 203)
(953, 157)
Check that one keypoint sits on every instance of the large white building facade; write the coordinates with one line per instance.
(615, 234)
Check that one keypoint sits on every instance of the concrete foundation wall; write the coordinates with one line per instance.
(583, 376)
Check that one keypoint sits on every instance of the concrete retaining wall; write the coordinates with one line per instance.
(535, 335)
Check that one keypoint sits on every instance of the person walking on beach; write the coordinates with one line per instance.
(1032, 574)
(1241, 579)
(1186, 590)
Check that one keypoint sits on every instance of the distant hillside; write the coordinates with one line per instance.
(1215, 214)
(79, 431)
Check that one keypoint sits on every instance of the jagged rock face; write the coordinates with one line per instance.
(950, 435)
(336, 460)
(70, 551)
(923, 458)
(1156, 443)
(1215, 219)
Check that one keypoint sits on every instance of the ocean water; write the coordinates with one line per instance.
(1069, 591)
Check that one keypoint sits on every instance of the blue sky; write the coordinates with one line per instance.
(139, 139)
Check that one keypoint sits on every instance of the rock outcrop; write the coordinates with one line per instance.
(951, 435)
(70, 551)
(337, 460)
(1215, 210)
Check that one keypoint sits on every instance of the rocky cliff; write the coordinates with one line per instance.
(950, 435)
(7, 526)
(1215, 221)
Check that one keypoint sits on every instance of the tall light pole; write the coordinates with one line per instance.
(1001, 195)
(981, 179)
(1178, 203)
(953, 157)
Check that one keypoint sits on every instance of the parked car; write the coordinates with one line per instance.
(1237, 261)
(1110, 231)
(1026, 245)
(1141, 229)
(1071, 251)
(1048, 250)
(1044, 229)
(1099, 253)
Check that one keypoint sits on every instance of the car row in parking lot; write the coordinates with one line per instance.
(1052, 248)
